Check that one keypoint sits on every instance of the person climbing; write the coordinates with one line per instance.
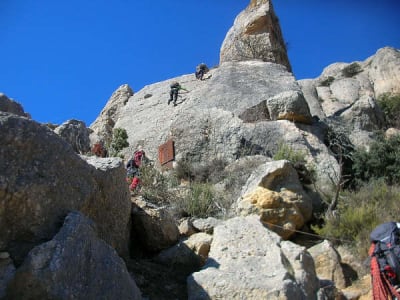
(201, 69)
(133, 169)
(173, 94)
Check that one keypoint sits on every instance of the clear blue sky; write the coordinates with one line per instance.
(63, 59)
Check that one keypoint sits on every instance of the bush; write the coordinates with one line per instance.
(390, 105)
(328, 81)
(155, 186)
(382, 161)
(288, 153)
(351, 70)
(119, 141)
(359, 213)
(199, 201)
(212, 171)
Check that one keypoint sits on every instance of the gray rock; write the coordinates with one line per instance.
(76, 134)
(7, 273)
(103, 126)
(255, 34)
(75, 264)
(11, 106)
(246, 261)
(42, 179)
(154, 227)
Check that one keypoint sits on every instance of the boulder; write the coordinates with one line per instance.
(328, 264)
(154, 227)
(248, 261)
(42, 179)
(75, 264)
(76, 134)
(275, 193)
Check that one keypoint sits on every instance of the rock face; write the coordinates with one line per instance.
(10, 106)
(42, 179)
(76, 134)
(346, 93)
(247, 261)
(255, 34)
(245, 108)
(75, 264)
(103, 125)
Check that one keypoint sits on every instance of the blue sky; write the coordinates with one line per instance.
(63, 59)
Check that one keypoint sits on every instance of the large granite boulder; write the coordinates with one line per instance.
(42, 179)
(248, 261)
(75, 264)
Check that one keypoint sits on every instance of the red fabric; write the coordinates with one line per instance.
(134, 184)
(381, 287)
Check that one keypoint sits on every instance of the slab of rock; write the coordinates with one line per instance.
(248, 261)
(75, 264)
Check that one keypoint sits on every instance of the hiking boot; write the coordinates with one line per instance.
(169, 101)
(175, 104)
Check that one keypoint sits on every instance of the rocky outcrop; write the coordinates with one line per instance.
(75, 264)
(76, 134)
(275, 193)
(346, 93)
(11, 106)
(42, 179)
(247, 261)
(220, 118)
(255, 34)
(103, 125)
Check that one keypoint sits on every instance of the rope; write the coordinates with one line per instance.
(307, 233)
(381, 287)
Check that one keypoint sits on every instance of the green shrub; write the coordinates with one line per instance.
(351, 70)
(390, 105)
(199, 201)
(155, 186)
(359, 213)
(381, 161)
(328, 81)
(212, 171)
(288, 153)
(119, 141)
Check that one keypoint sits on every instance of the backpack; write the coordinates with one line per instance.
(385, 260)
(174, 84)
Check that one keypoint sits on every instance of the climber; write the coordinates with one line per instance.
(133, 169)
(201, 69)
(173, 94)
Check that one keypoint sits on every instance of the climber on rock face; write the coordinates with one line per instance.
(173, 94)
(201, 69)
